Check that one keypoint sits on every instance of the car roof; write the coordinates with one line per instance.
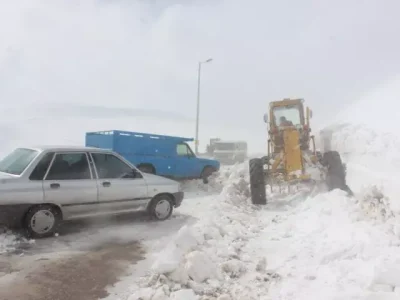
(67, 148)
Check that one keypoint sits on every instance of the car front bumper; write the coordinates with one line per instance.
(178, 198)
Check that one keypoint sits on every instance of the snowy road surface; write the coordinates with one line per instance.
(87, 256)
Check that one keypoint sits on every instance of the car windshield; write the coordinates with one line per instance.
(224, 146)
(17, 161)
(289, 113)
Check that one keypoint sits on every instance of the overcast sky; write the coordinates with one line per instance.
(144, 54)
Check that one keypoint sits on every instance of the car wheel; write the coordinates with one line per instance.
(42, 221)
(257, 181)
(207, 172)
(161, 208)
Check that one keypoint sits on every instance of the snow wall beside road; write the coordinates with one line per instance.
(373, 163)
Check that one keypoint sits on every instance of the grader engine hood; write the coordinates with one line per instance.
(292, 153)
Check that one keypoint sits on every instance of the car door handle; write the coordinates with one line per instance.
(106, 183)
(54, 185)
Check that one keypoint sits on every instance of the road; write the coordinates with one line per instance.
(87, 257)
(83, 261)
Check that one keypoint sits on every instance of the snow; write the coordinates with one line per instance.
(207, 257)
(302, 246)
(8, 242)
(185, 294)
(373, 162)
(327, 248)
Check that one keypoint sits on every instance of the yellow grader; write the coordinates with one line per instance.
(292, 158)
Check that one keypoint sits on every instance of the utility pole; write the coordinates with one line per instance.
(198, 105)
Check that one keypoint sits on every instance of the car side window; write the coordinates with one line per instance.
(183, 150)
(111, 167)
(69, 166)
(41, 168)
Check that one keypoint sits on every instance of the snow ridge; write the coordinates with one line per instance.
(209, 260)
(9, 242)
(373, 166)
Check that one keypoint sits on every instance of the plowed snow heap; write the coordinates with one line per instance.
(292, 158)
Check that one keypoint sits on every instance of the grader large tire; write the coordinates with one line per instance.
(257, 182)
(336, 176)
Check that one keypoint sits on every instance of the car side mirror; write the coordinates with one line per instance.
(133, 174)
(136, 174)
(265, 118)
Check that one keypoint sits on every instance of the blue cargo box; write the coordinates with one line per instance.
(163, 155)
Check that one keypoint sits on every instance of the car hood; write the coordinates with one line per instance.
(155, 179)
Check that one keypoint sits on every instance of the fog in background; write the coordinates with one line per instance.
(71, 66)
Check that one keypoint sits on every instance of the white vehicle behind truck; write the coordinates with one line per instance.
(230, 152)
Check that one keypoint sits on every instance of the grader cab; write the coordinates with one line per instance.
(291, 155)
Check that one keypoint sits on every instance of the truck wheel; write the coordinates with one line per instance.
(42, 221)
(336, 175)
(207, 172)
(147, 168)
(257, 182)
(161, 207)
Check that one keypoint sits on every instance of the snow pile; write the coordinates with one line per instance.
(326, 248)
(358, 142)
(206, 260)
(375, 204)
(373, 165)
(8, 242)
(216, 182)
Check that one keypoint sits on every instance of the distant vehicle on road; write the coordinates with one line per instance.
(40, 187)
(210, 146)
(167, 156)
(230, 152)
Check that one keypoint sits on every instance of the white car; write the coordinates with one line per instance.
(42, 186)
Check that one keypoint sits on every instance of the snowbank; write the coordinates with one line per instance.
(361, 143)
(373, 164)
(324, 247)
(8, 242)
(206, 260)
(216, 184)
(327, 246)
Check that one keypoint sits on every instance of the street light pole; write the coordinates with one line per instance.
(198, 105)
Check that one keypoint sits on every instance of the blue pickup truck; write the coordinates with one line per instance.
(163, 155)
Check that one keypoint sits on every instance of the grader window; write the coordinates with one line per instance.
(290, 113)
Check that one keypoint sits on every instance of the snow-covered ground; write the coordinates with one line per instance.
(325, 246)
(373, 161)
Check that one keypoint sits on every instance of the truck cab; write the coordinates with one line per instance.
(168, 156)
